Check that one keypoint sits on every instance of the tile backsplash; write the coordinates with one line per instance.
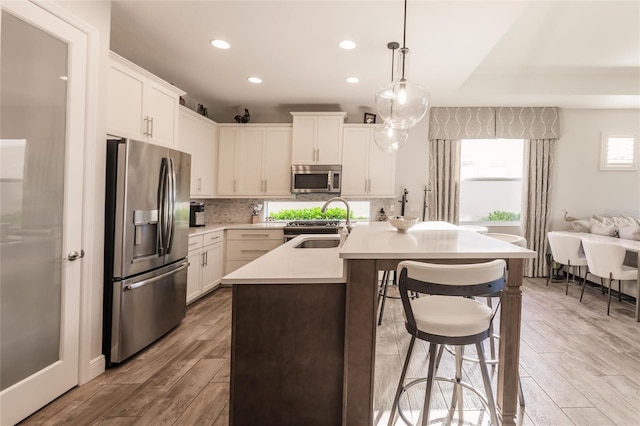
(236, 210)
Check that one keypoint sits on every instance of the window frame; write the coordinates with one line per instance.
(604, 148)
(494, 223)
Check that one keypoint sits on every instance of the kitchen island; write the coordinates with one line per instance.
(291, 306)
(287, 344)
(377, 246)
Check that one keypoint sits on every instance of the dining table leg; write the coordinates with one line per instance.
(509, 355)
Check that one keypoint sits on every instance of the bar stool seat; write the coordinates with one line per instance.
(448, 316)
(508, 238)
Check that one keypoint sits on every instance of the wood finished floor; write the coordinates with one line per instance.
(578, 367)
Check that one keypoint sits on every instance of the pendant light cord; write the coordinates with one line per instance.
(404, 37)
(404, 32)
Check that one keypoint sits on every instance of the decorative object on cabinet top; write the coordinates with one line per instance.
(243, 118)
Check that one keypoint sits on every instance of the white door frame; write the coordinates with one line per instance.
(85, 153)
(91, 363)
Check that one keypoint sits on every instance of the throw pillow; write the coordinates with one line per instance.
(604, 227)
(629, 232)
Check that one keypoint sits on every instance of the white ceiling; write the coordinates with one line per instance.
(571, 54)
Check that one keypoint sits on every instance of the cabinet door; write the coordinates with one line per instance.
(194, 274)
(329, 140)
(212, 269)
(277, 161)
(204, 158)
(229, 139)
(186, 143)
(161, 108)
(304, 140)
(382, 171)
(355, 160)
(124, 102)
(249, 161)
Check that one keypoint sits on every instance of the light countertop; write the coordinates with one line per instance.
(426, 240)
(198, 230)
(289, 265)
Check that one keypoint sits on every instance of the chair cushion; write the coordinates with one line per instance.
(451, 316)
(627, 273)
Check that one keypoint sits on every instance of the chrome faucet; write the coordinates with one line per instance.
(330, 200)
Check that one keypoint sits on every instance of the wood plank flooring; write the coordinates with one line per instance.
(578, 367)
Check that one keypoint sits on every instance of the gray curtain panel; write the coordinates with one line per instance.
(536, 202)
(444, 175)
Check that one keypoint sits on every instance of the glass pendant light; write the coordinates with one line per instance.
(402, 103)
(390, 139)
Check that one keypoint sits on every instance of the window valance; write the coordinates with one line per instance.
(494, 122)
(462, 123)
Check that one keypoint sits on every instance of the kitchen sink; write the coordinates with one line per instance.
(323, 243)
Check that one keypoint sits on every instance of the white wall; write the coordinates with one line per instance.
(412, 169)
(580, 187)
(94, 18)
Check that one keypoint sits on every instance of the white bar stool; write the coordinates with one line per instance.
(448, 317)
(475, 228)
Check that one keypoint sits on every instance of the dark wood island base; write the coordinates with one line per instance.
(287, 354)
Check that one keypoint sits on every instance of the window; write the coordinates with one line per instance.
(491, 180)
(619, 152)
(291, 210)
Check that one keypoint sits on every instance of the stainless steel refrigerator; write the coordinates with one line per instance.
(146, 240)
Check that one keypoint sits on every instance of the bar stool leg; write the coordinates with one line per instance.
(487, 384)
(396, 399)
(385, 281)
(433, 348)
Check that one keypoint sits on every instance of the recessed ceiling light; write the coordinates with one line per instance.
(352, 79)
(347, 44)
(220, 44)
(255, 80)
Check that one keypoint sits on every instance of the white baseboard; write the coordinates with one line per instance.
(96, 368)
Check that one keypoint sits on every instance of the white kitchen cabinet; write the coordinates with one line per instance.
(140, 105)
(198, 136)
(317, 137)
(366, 170)
(245, 245)
(254, 160)
(206, 254)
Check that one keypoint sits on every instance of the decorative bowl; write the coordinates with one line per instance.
(402, 223)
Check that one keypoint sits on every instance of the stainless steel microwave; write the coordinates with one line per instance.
(316, 178)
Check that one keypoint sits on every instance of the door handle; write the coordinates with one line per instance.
(74, 255)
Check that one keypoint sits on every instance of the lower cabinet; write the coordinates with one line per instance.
(206, 253)
(245, 245)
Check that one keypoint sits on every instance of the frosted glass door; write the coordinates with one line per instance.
(41, 150)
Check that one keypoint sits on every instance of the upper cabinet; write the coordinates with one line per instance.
(317, 137)
(366, 170)
(198, 136)
(140, 105)
(254, 160)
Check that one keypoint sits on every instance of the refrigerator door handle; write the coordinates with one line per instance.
(162, 207)
(171, 204)
(154, 279)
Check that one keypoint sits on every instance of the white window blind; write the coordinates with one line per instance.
(619, 152)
